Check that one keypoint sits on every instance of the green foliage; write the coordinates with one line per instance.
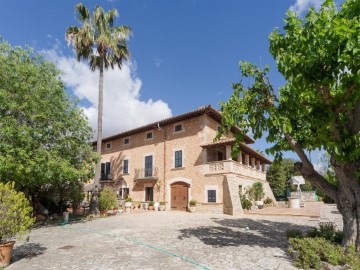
(192, 202)
(44, 135)
(129, 199)
(163, 203)
(268, 201)
(327, 230)
(256, 191)
(15, 213)
(317, 108)
(294, 234)
(151, 203)
(321, 244)
(279, 173)
(245, 203)
(98, 40)
(107, 199)
(311, 251)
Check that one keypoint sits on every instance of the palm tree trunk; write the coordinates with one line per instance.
(94, 207)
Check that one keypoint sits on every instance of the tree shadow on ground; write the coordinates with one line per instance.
(27, 251)
(234, 232)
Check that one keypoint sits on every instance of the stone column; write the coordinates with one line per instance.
(247, 160)
(263, 167)
(252, 162)
(240, 157)
(258, 165)
(228, 152)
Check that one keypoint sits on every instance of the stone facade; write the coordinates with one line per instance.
(147, 161)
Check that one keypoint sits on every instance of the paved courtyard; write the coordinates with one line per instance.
(165, 240)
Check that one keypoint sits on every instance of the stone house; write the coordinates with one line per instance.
(176, 160)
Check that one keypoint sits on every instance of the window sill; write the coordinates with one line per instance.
(125, 174)
(211, 203)
(178, 168)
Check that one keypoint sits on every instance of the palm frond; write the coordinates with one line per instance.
(111, 15)
(70, 34)
(83, 13)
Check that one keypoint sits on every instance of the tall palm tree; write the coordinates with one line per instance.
(104, 46)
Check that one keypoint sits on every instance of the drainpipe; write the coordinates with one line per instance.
(164, 173)
(164, 163)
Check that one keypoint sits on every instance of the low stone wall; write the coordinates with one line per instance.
(216, 208)
(307, 196)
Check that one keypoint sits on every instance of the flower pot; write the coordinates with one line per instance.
(192, 209)
(151, 207)
(259, 204)
(6, 253)
(156, 206)
(146, 206)
(162, 207)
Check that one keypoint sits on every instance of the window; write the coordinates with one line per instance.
(220, 156)
(123, 193)
(178, 128)
(105, 171)
(149, 135)
(178, 159)
(149, 194)
(126, 140)
(211, 195)
(126, 166)
(148, 166)
(108, 146)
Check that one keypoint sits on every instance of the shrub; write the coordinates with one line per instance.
(256, 191)
(327, 230)
(15, 213)
(311, 251)
(128, 199)
(268, 201)
(245, 203)
(151, 203)
(294, 234)
(107, 199)
(163, 203)
(192, 202)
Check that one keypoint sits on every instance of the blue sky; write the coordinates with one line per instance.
(185, 54)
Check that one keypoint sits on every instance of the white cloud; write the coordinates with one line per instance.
(302, 6)
(123, 107)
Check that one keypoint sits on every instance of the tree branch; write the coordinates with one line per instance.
(307, 169)
(355, 126)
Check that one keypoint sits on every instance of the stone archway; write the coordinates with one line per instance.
(178, 193)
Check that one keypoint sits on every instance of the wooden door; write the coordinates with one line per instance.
(179, 196)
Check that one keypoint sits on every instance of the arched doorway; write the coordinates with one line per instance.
(179, 196)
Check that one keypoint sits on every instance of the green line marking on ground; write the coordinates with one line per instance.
(88, 230)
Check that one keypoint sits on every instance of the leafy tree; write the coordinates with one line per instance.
(317, 108)
(103, 45)
(279, 173)
(44, 136)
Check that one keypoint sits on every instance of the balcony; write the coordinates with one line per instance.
(146, 174)
(230, 166)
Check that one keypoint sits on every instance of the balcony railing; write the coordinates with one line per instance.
(146, 173)
(230, 166)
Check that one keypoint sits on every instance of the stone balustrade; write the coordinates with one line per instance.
(230, 166)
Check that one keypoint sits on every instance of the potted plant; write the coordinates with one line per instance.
(128, 203)
(107, 200)
(192, 206)
(162, 206)
(15, 219)
(151, 205)
(256, 192)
